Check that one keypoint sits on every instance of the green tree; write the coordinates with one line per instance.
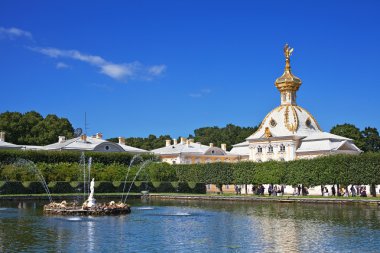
(349, 131)
(148, 143)
(371, 139)
(10, 123)
(230, 135)
(32, 129)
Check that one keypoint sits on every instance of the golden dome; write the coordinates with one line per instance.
(288, 81)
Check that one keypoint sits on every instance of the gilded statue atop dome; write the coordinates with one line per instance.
(288, 51)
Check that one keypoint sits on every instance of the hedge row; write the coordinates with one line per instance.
(41, 156)
(65, 171)
(17, 187)
(342, 169)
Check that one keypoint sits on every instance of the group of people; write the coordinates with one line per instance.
(237, 189)
(258, 189)
(276, 190)
(300, 190)
(354, 190)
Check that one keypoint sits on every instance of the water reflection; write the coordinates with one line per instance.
(90, 236)
(172, 226)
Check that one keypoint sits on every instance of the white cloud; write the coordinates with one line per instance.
(123, 71)
(202, 93)
(118, 71)
(14, 33)
(157, 70)
(61, 65)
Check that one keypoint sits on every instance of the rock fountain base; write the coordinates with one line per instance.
(65, 208)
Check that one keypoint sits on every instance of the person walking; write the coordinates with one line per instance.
(353, 191)
(236, 189)
(333, 190)
(270, 189)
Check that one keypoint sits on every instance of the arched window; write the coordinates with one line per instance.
(270, 149)
(259, 149)
(282, 148)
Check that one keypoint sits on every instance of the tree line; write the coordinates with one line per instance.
(31, 128)
(230, 135)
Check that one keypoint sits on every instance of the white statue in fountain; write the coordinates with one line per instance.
(91, 201)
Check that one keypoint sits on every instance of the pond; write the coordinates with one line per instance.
(194, 226)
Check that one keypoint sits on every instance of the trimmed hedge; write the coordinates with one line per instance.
(41, 156)
(342, 169)
(17, 187)
(12, 187)
(61, 187)
(334, 169)
(33, 187)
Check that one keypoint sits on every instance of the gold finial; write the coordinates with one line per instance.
(288, 83)
(287, 51)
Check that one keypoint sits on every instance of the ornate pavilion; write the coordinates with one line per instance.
(289, 131)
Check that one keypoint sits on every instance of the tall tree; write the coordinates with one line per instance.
(230, 134)
(149, 143)
(349, 131)
(33, 129)
(371, 139)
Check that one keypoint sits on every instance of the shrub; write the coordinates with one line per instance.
(61, 187)
(104, 187)
(12, 187)
(33, 187)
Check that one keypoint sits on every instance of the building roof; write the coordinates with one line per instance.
(132, 149)
(188, 148)
(324, 135)
(327, 145)
(89, 144)
(240, 149)
(7, 145)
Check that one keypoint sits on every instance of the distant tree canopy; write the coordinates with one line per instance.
(149, 143)
(230, 135)
(32, 129)
(367, 139)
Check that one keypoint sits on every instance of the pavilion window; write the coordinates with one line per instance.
(259, 149)
(270, 149)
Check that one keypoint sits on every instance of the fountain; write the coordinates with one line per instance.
(32, 167)
(134, 179)
(89, 207)
(129, 168)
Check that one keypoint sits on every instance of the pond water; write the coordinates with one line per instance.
(194, 226)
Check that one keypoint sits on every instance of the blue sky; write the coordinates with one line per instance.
(169, 67)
